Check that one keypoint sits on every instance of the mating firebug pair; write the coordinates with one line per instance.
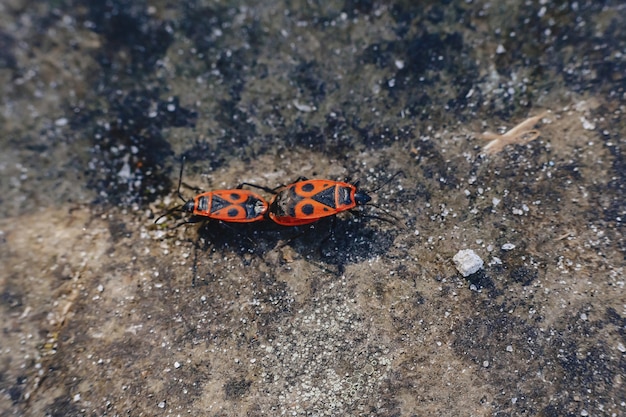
(306, 201)
(302, 202)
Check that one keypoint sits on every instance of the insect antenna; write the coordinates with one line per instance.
(180, 195)
(170, 211)
(396, 221)
(388, 181)
(180, 179)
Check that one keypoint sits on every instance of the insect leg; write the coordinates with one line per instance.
(259, 187)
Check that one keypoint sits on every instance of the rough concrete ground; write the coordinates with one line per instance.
(105, 313)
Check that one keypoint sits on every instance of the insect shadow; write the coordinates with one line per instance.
(338, 241)
(243, 242)
(239, 238)
(335, 241)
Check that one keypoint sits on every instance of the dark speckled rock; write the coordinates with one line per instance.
(105, 313)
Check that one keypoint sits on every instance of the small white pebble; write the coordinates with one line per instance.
(61, 122)
(587, 125)
(508, 246)
(467, 262)
(305, 108)
(542, 11)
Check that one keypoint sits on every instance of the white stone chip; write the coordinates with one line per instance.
(467, 262)
(61, 122)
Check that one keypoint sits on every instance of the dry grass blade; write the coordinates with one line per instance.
(521, 134)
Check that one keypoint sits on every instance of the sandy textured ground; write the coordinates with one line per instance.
(106, 314)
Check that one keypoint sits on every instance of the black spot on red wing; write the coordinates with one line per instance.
(326, 197)
(235, 196)
(308, 209)
(308, 187)
(326, 209)
(233, 212)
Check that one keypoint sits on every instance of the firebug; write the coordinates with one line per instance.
(233, 205)
(307, 201)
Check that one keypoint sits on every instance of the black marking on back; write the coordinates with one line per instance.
(344, 196)
(308, 187)
(251, 206)
(326, 197)
(232, 212)
(218, 203)
(203, 203)
(291, 211)
(284, 205)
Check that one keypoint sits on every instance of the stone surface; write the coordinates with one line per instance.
(105, 313)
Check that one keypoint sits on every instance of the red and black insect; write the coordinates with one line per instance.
(233, 205)
(307, 201)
